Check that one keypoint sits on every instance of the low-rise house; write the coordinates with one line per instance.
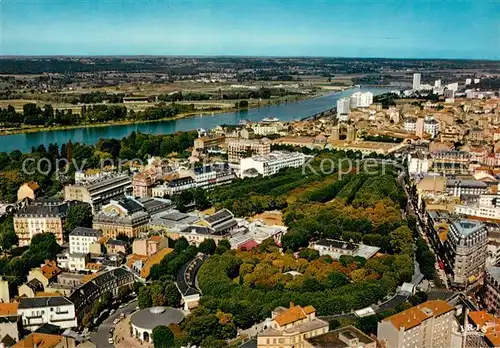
(55, 310)
(216, 226)
(487, 327)
(291, 327)
(115, 246)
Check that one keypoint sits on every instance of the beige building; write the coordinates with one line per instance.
(46, 341)
(291, 327)
(39, 217)
(149, 246)
(142, 185)
(124, 216)
(241, 148)
(100, 191)
(429, 324)
(4, 290)
(28, 190)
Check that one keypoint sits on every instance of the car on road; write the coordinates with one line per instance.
(122, 305)
(110, 334)
(116, 321)
(112, 311)
(110, 340)
(122, 315)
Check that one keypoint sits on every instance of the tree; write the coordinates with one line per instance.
(144, 298)
(309, 254)
(367, 324)
(8, 240)
(402, 240)
(163, 337)
(79, 215)
(172, 294)
(207, 246)
(418, 298)
(180, 245)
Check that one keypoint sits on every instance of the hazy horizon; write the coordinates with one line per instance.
(262, 28)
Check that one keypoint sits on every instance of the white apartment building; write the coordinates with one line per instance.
(478, 211)
(457, 188)
(343, 106)
(416, 81)
(272, 163)
(419, 163)
(55, 310)
(361, 99)
(410, 124)
(431, 126)
(241, 148)
(429, 324)
(437, 83)
(452, 86)
(267, 128)
(81, 238)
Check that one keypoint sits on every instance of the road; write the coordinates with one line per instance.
(100, 338)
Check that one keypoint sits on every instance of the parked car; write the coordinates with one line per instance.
(110, 340)
(116, 321)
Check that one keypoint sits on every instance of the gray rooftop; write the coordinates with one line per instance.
(38, 302)
(467, 227)
(150, 318)
(85, 232)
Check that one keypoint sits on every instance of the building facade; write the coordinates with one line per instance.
(429, 324)
(272, 163)
(55, 310)
(39, 217)
(99, 192)
(241, 148)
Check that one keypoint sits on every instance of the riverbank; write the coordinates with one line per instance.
(252, 105)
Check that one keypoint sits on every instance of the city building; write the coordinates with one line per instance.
(291, 327)
(465, 251)
(205, 143)
(344, 337)
(361, 100)
(419, 162)
(272, 163)
(174, 186)
(431, 127)
(437, 83)
(416, 81)
(100, 191)
(124, 216)
(142, 185)
(241, 148)
(110, 281)
(216, 226)
(10, 322)
(420, 127)
(141, 264)
(43, 340)
(429, 324)
(410, 124)
(82, 238)
(459, 188)
(38, 217)
(343, 107)
(492, 289)
(149, 246)
(336, 248)
(54, 310)
(212, 175)
(484, 331)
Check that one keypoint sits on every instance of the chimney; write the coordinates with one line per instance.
(292, 304)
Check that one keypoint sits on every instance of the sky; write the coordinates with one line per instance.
(336, 28)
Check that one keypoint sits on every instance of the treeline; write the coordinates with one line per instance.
(34, 115)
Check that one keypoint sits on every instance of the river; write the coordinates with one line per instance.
(90, 135)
